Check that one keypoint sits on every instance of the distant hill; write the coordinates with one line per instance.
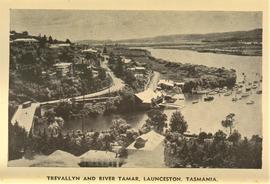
(249, 36)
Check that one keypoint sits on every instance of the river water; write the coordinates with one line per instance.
(202, 116)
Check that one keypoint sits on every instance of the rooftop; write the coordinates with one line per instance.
(147, 95)
(166, 82)
(25, 40)
(62, 64)
(90, 50)
(152, 139)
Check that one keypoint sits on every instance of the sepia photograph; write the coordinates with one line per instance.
(135, 89)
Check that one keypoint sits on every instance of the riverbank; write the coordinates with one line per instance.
(229, 48)
(193, 75)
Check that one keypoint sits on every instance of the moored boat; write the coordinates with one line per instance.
(245, 95)
(208, 98)
(250, 102)
(259, 92)
(213, 93)
(254, 86)
(227, 94)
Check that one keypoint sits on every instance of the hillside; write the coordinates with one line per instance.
(247, 36)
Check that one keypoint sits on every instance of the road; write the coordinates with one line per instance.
(117, 85)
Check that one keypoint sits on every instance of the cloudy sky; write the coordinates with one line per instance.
(116, 25)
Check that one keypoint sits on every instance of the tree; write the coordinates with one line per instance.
(229, 122)
(104, 50)
(17, 140)
(102, 74)
(127, 101)
(25, 33)
(119, 68)
(68, 41)
(202, 136)
(50, 40)
(156, 119)
(177, 123)
(234, 137)
(219, 136)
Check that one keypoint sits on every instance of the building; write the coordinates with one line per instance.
(149, 154)
(89, 51)
(126, 60)
(25, 41)
(166, 84)
(59, 45)
(180, 84)
(63, 69)
(144, 99)
(95, 158)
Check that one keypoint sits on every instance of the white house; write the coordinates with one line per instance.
(63, 68)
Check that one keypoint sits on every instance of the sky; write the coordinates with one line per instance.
(116, 25)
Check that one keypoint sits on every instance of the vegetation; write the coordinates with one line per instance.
(77, 143)
(156, 121)
(33, 76)
(217, 151)
(177, 123)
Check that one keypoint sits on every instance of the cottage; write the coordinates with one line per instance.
(126, 60)
(94, 158)
(140, 69)
(25, 41)
(63, 68)
(166, 84)
(89, 51)
(56, 46)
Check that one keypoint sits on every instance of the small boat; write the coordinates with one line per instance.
(202, 91)
(217, 90)
(259, 92)
(213, 93)
(250, 102)
(248, 88)
(254, 86)
(209, 98)
(245, 95)
(234, 99)
(223, 90)
(195, 101)
(239, 91)
(227, 94)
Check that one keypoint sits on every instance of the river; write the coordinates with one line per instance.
(202, 116)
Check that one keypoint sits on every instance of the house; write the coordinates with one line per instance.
(126, 60)
(140, 69)
(63, 68)
(89, 51)
(166, 84)
(25, 41)
(56, 46)
(95, 158)
(180, 84)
